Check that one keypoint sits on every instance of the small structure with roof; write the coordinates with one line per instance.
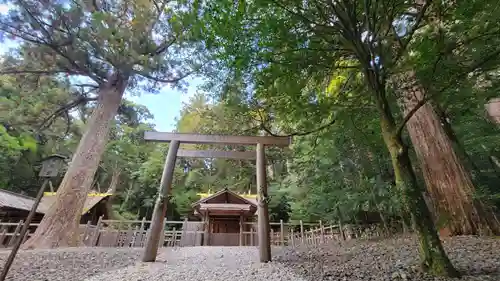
(15, 207)
(225, 215)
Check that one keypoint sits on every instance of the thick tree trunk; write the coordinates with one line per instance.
(448, 182)
(432, 254)
(60, 225)
(493, 109)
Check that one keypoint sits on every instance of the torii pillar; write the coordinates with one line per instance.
(158, 219)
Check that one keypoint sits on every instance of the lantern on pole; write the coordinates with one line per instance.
(51, 167)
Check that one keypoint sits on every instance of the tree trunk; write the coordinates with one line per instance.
(449, 183)
(60, 225)
(493, 109)
(432, 254)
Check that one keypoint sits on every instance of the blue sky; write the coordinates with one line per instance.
(165, 106)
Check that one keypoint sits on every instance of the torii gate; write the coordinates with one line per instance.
(157, 221)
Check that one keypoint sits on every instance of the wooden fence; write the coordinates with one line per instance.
(133, 233)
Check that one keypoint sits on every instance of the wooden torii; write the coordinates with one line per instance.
(160, 209)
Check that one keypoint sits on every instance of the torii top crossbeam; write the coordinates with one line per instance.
(217, 139)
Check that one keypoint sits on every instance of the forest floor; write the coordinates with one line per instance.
(355, 260)
(476, 258)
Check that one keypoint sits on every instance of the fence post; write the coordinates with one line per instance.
(301, 232)
(292, 234)
(95, 237)
(184, 232)
(174, 237)
(16, 232)
(341, 228)
(241, 231)
(3, 236)
(282, 233)
(251, 235)
(315, 237)
(322, 232)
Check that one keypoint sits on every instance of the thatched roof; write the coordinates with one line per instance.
(17, 201)
(13, 200)
(225, 201)
(49, 198)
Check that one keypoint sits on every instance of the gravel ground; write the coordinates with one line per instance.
(356, 260)
(71, 264)
(203, 264)
(392, 259)
(114, 264)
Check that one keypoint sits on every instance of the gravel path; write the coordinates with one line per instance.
(114, 264)
(203, 264)
(70, 264)
(356, 260)
(392, 259)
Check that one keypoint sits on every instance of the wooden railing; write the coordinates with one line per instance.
(133, 233)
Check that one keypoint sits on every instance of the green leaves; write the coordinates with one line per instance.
(143, 40)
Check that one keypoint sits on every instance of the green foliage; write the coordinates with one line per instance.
(141, 40)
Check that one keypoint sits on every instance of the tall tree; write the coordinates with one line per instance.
(448, 179)
(278, 45)
(114, 46)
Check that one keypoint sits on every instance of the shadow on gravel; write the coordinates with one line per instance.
(391, 259)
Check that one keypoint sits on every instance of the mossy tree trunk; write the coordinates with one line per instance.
(432, 254)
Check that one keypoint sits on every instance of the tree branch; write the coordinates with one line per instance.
(172, 80)
(28, 71)
(62, 110)
(263, 127)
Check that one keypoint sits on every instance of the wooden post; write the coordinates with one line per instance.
(174, 237)
(26, 235)
(282, 233)
(160, 209)
(16, 232)
(341, 228)
(316, 232)
(292, 234)
(95, 237)
(140, 234)
(3, 236)
(184, 234)
(251, 235)
(301, 232)
(241, 230)
(86, 232)
(262, 210)
(322, 230)
(206, 228)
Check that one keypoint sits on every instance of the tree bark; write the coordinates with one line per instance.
(448, 181)
(493, 109)
(60, 225)
(432, 254)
